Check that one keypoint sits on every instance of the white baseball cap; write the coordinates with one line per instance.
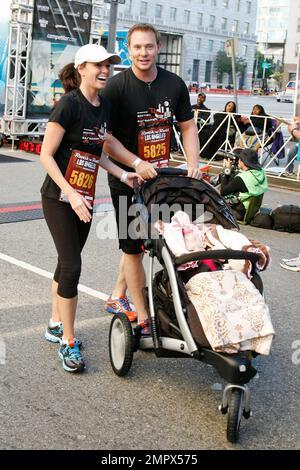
(94, 53)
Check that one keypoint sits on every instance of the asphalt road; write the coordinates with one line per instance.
(163, 403)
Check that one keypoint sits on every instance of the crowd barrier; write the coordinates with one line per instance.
(273, 158)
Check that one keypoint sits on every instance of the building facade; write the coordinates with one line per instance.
(292, 43)
(272, 28)
(193, 31)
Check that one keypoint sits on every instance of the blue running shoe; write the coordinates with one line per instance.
(71, 357)
(54, 334)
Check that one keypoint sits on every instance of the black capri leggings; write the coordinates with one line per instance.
(69, 234)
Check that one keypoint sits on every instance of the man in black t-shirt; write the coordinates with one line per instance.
(144, 99)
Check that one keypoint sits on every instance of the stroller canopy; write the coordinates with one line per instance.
(183, 191)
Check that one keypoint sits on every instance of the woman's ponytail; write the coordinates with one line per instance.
(69, 77)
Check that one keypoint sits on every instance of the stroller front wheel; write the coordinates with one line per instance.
(121, 344)
(235, 411)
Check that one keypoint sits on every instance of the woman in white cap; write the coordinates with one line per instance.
(71, 153)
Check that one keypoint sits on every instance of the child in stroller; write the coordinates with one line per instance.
(176, 329)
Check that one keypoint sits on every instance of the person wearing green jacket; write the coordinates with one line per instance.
(250, 181)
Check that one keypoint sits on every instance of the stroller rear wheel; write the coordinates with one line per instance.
(235, 411)
(121, 344)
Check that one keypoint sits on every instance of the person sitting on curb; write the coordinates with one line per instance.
(250, 181)
(294, 129)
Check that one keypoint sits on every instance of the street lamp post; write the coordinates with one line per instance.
(111, 43)
(231, 46)
(234, 72)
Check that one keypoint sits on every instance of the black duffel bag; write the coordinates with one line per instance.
(287, 218)
(263, 219)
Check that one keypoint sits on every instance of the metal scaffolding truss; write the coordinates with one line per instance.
(18, 59)
(14, 123)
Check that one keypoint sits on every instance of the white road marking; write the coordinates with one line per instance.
(24, 332)
(47, 274)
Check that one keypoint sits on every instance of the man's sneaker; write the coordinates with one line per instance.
(54, 334)
(121, 305)
(145, 328)
(71, 356)
(292, 264)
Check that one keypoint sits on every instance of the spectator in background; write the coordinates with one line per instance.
(257, 124)
(257, 120)
(292, 149)
(219, 130)
(200, 110)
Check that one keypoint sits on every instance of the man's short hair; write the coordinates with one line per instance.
(202, 94)
(143, 27)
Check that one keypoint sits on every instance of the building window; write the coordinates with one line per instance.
(212, 20)
(200, 19)
(143, 8)
(187, 15)
(213, 3)
(248, 7)
(247, 28)
(173, 13)
(195, 73)
(198, 43)
(128, 6)
(298, 25)
(245, 51)
(235, 26)
(208, 69)
(210, 45)
(158, 11)
(224, 24)
(238, 4)
(225, 3)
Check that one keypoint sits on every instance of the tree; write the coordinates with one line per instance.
(258, 71)
(223, 64)
(278, 77)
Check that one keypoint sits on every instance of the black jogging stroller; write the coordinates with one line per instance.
(175, 326)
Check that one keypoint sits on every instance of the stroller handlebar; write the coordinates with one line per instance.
(217, 254)
(169, 171)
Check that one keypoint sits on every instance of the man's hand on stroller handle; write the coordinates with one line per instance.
(194, 172)
(145, 170)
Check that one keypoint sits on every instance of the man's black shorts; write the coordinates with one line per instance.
(122, 200)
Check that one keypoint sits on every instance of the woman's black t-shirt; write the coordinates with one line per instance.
(133, 102)
(79, 118)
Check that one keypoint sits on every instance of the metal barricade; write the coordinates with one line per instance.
(262, 139)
